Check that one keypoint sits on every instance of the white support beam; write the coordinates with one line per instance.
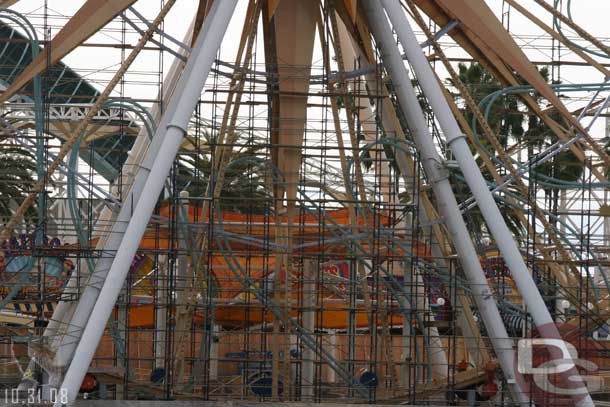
(456, 141)
(157, 167)
(448, 207)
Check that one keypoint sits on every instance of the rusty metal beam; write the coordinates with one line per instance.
(89, 19)
(489, 58)
(7, 3)
(295, 24)
(477, 17)
(202, 12)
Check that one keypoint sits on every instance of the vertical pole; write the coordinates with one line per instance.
(560, 301)
(602, 270)
(332, 340)
(68, 315)
(309, 302)
(121, 352)
(462, 153)
(436, 352)
(67, 344)
(160, 338)
(214, 344)
(438, 178)
(406, 349)
(185, 98)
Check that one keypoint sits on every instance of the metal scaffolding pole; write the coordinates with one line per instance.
(69, 341)
(181, 108)
(436, 172)
(69, 318)
(456, 141)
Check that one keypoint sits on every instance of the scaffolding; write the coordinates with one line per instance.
(369, 201)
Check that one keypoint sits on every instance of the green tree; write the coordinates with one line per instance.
(17, 169)
(507, 122)
(505, 118)
(510, 121)
(243, 189)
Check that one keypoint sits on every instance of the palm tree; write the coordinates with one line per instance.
(538, 136)
(505, 120)
(17, 169)
(564, 166)
(243, 188)
(504, 117)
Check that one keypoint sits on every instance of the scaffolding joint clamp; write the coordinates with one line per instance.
(452, 164)
(454, 139)
(441, 173)
(177, 126)
(486, 294)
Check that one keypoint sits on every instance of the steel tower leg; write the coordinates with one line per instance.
(462, 153)
(180, 111)
(69, 318)
(68, 342)
(438, 178)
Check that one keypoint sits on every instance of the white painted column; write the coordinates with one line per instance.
(182, 105)
(332, 340)
(216, 338)
(456, 141)
(161, 312)
(66, 323)
(309, 314)
(438, 178)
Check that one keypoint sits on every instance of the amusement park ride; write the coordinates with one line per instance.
(355, 201)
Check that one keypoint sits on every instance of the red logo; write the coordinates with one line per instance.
(559, 367)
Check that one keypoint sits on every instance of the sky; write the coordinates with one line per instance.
(99, 64)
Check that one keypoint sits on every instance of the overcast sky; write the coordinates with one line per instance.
(99, 64)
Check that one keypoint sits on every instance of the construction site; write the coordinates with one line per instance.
(394, 202)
